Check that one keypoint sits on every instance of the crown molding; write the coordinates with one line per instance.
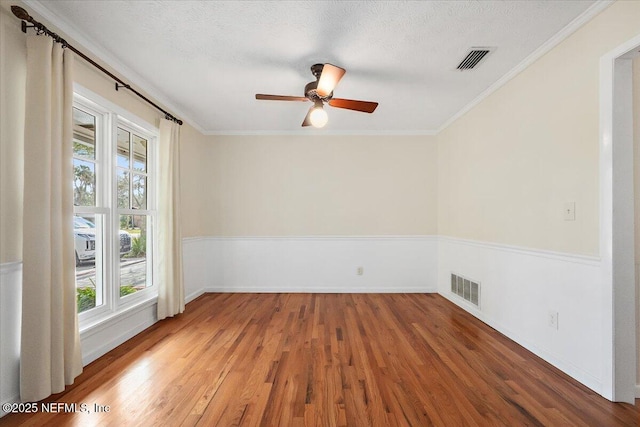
(324, 132)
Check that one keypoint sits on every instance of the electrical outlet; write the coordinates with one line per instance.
(360, 271)
(553, 319)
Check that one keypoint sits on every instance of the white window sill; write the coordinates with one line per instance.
(103, 322)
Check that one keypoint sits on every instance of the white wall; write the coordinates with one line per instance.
(310, 264)
(636, 148)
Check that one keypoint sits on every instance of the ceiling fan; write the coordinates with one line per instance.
(321, 92)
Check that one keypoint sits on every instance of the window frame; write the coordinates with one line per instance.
(150, 212)
(109, 117)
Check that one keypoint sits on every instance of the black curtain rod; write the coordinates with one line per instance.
(22, 14)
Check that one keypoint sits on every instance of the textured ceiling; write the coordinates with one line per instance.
(205, 60)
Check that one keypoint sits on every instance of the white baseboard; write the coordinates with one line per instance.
(194, 295)
(335, 290)
(520, 287)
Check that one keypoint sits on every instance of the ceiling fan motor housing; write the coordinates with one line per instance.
(310, 90)
(316, 70)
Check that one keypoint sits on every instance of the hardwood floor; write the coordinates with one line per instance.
(327, 359)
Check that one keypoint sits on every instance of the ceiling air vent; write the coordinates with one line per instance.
(473, 58)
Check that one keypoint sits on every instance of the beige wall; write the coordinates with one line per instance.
(197, 190)
(317, 185)
(89, 77)
(507, 167)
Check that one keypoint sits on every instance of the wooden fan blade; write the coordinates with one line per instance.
(307, 118)
(329, 79)
(280, 97)
(351, 104)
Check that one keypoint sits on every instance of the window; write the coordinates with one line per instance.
(113, 182)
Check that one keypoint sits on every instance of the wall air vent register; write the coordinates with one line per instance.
(466, 289)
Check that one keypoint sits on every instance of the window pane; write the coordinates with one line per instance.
(84, 130)
(139, 153)
(123, 148)
(123, 189)
(139, 191)
(133, 254)
(84, 183)
(87, 233)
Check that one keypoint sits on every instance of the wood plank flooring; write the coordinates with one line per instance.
(327, 360)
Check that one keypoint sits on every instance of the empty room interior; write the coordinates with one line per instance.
(320, 213)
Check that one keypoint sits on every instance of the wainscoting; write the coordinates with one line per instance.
(521, 289)
(311, 264)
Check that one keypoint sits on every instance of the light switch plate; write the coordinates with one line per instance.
(570, 211)
(553, 319)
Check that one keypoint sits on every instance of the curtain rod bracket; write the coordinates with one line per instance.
(118, 86)
(173, 119)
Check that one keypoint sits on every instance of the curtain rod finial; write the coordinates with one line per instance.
(20, 13)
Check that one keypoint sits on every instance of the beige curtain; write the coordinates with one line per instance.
(50, 355)
(169, 257)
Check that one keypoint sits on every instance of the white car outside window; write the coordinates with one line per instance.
(84, 232)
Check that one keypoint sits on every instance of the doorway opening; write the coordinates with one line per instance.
(636, 190)
(617, 240)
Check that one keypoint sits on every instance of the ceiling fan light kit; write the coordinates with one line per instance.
(318, 117)
(320, 92)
